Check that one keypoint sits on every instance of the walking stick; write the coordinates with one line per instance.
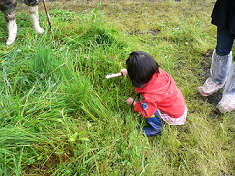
(48, 16)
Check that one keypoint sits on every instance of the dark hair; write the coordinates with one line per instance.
(140, 67)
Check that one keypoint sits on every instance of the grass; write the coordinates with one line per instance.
(61, 117)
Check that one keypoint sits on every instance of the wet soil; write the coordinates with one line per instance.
(206, 63)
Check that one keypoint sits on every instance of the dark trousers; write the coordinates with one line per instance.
(224, 42)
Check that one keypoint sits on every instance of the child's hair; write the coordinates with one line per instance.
(141, 67)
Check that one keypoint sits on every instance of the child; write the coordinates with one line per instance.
(161, 98)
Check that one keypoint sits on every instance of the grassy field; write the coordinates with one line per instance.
(59, 116)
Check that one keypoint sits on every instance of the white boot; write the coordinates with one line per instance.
(218, 74)
(12, 28)
(227, 103)
(35, 19)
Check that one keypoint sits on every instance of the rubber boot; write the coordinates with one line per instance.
(155, 125)
(227, 103)
(218, 74)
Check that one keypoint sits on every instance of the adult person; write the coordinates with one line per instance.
(222, 71)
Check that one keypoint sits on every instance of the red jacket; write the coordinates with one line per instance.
(161, 93)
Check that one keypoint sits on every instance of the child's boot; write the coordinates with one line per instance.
(227, 103)
(154, 128)
(155, 125)
(218, 74)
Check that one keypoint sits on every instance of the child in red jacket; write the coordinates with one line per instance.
(161, 98)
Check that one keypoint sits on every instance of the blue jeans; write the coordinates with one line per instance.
(224, 42)
(154, 125)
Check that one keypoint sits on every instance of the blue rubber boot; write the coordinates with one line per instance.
(155, 125)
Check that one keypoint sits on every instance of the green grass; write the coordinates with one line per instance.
(59, 116)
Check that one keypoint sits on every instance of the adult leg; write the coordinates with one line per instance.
(35, 19)
(8, 8)
(224, 42)
(227, 103)
(221, 63)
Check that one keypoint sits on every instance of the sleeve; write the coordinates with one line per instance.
(145, 108)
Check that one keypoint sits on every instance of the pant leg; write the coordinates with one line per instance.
(154, 125)
(224, 42)
(222, 57)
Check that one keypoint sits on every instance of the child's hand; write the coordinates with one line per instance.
(124, 71)
(130, 101)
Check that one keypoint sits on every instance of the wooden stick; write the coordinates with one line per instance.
(113, 75)
(48, 16)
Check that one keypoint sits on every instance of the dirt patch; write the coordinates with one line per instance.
(153, 32)
(205, 64)
(215, 98)
(46, 168)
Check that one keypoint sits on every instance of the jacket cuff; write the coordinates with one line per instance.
(137, 107)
